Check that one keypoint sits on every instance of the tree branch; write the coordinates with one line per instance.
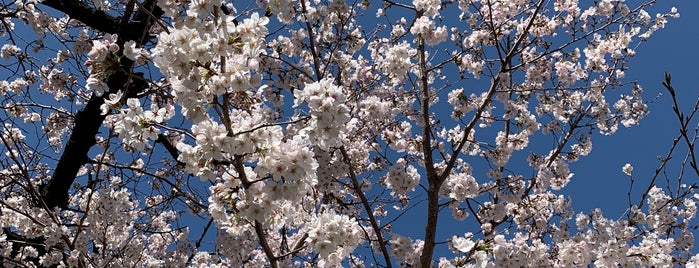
(88, 120)
(367, 208)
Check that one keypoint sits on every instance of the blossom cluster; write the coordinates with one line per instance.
(402, 177)
(395, 60)
(329, 114)
(100, 59)
(333, 236)
(133, 125)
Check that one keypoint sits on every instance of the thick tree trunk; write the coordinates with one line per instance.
(87, 123)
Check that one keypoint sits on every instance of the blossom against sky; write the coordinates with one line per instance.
(302, 131)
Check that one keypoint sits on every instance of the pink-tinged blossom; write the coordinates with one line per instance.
(395, 60)
(429, 7)
(202, 8)
(461, 186)
(333, 236)
(96, 85)
(284, 9)
(98, 52)
(111, 102)
(329, 114)
(131, 51)
(402, 178)
(405, 249)
(426, 28)
(133, 125)
(9, 50)
(463, 244)
(627, 169)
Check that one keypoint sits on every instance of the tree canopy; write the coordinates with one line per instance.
(299, 134)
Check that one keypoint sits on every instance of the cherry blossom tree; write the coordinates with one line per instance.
(299, 133)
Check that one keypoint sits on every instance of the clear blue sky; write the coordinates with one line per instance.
(599, 181)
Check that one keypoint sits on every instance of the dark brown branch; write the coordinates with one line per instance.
(265, 246)
(89, 119)
(170, 149)
(432, 176)
(682, 136)
(367, 208)
(198, 243)
(19, 242)
(102, 21)
(87, 123)
(94, 18)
